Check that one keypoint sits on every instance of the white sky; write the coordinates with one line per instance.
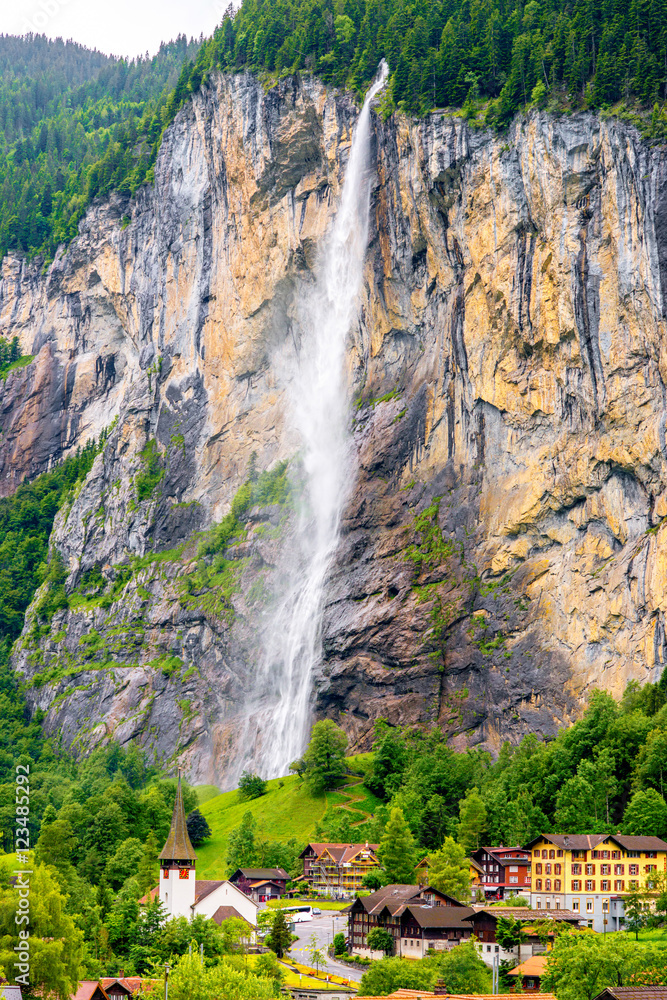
(118, 27)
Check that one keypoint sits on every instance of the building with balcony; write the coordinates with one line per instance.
(503, 871)
(338, 870)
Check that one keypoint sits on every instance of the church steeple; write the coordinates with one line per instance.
(178, 846)
(177, 864)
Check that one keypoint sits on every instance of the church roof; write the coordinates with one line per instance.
(178, 846)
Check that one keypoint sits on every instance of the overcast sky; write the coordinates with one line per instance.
(118, 27)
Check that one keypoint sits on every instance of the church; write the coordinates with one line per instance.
(181, 893)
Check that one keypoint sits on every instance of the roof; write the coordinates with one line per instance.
(525, 913)
(265, 881)
(226, 913)
(591, 841)
(339, 852)
(404, 994)
(150, 896)
(178, 846)
(393, 896)
(260, 873)
(535, 966)
(632, 993)
(86, 990)
(639, 843)
(570, 841)
(131, 983)
(474, 864)
(440, 916)
(204, 887)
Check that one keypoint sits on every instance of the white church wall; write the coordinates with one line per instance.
(228, 895)
(177, 894)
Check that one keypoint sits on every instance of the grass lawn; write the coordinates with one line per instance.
(657, 935)
(284, 812)
(322, 904)
(206, 792)
(295, 978)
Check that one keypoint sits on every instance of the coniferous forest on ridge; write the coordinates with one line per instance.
(75, 124)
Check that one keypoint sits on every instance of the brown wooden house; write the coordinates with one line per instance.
(419, 919)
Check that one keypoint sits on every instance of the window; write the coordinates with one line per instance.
(488, 947)
(651, 854)
(538, 904)
(605, 854)
(590, 886)
(605, 885)
(590, 869)
(650, 868)
(547, 885)
(514, 878)
(538, 869)
(538, 884)
(634, 854)
(559, 854)
(558, 869)
(615, 855)
(548, 904)
(634, 870)
(575, 905)
(547, 869)
(557, 885)
(619, 869)
(545, 854)
(596, 854)
(552, 854)
(576, 854)
(605, 869)
(633, 885)
(619, 885)
(576, 869)
(576, 885)
(557, 904)
(536, 854)
(589, 906)
(514, 868)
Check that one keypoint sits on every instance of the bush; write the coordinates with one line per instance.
(251, 786)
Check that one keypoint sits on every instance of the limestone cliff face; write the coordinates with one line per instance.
(504, 545)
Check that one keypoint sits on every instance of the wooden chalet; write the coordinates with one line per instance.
(261, 884)
(504, 871)
(529, 973)
(337, 870)
(420, 919)
(485, 920)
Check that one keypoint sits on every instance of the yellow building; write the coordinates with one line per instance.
(591, 874)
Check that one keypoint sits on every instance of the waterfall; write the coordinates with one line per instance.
(319, 413)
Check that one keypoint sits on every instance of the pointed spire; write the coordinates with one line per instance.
(178, 846)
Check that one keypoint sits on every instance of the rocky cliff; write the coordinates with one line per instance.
(503, 548)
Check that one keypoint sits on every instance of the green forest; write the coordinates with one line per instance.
(75, 124)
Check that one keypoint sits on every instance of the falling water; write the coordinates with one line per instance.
(319, 411)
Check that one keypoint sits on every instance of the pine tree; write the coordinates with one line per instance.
(148, 871)
(449, 870)
(472, 820)
(396, 852)
(280, 938)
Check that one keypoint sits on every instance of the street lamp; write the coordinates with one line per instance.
(166, 982)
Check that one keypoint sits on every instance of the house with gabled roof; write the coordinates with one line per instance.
(419, 918)
(592, 874)
(338, 870)
(261, 884)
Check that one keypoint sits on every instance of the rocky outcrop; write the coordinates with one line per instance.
(503, 546)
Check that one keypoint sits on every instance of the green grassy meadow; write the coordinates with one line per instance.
(288, 809)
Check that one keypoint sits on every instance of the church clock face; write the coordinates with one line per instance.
(184, 873)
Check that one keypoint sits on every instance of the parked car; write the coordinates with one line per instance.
(316, 911)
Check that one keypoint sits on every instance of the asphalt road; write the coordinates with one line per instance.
(323, 928)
